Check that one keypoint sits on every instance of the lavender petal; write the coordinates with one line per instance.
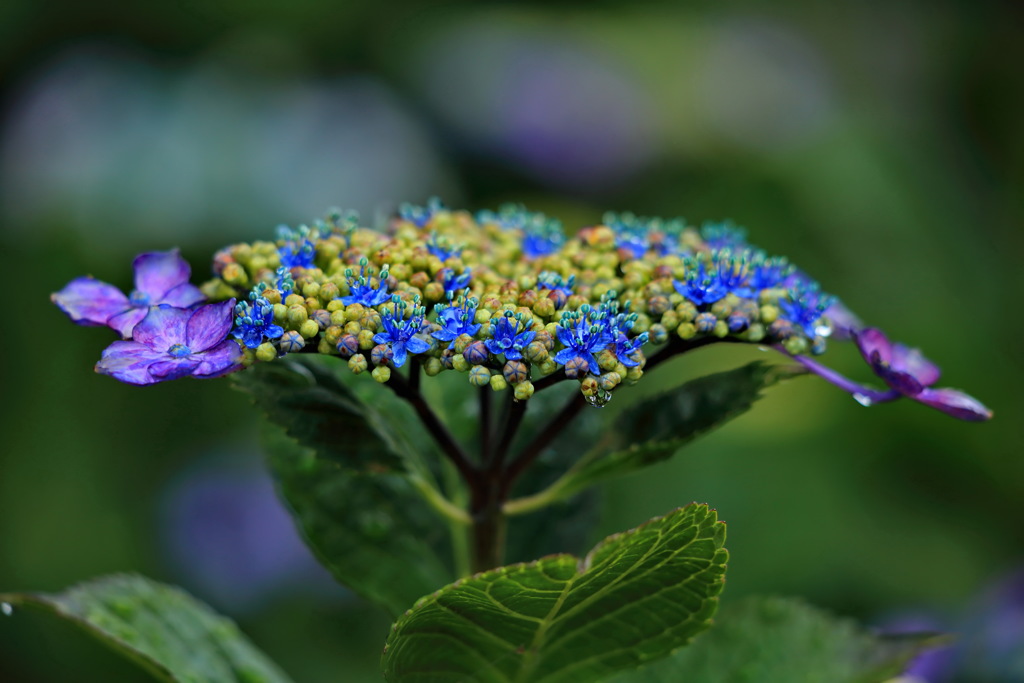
(222, 359)
(163, 327)
(913, 362)
(174, 368)
(845, 324)
(125, 322)
(183, 296)
(90, 302)
(158, 272)
(129, 362)
(871, 341)
(956, 403)
(209, 325)
(903, 382)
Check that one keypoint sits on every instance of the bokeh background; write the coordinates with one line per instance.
(879, 145)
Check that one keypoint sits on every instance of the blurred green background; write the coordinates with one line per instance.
(878, 145)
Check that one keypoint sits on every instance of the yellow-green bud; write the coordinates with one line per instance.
(358, 364)
(381, 373)
(460, 363)
(589, 386)
(309, 329)
(310, 289)
(337, 317)
(354, 312)
(332, 334)
(755, 332)
(769, 314)
(433, 367)
(609, 380)
(234, 274)
(686, 330)
(328, 293)
(795, 345)
(498, 383)
(721, 329)
(523, 391)
(366, 340)
(352, 328)
(294, 300)
(297, 315)
(266, 352)
(479, 376)
(272, 296)
(280, 313)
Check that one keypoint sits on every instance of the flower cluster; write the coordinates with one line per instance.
(504, 297)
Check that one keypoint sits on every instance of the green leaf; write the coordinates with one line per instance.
(777, 639)
(352, 482)
(653, 430)
(636, 597)
(163, 629)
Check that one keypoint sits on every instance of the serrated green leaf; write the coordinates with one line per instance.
(784, 640)
(636, 597)
(349, 476)
(163, 629)
(653, 430)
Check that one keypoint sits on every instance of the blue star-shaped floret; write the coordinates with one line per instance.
(453, 282)
(456, 321)
(442, 248)
(508, 338)
(805, 306)
(700, 286)
(362, 290)
(583, 333)
(255, 322)
(399, 336)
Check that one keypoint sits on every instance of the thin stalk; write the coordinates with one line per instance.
(533, 449)
(439, 502)
(485, 423)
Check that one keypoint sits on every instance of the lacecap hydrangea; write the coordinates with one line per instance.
(505, 297)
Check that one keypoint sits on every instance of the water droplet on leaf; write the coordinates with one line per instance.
(863, 400)
(6, 608)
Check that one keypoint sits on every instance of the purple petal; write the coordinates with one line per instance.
(903, 382)
(183, 296)
(914, 363)
(174, 368)
(209, 325)
(955, 403)
(125, 322)
(872, 341)
(163, 327)
(129, 361)
(90, 302)
(222, 359)
(158, 272)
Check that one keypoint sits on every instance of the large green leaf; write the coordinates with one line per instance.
(636, 597)
(163, 629)
(653, 430)
(353, 483)
(785, 641)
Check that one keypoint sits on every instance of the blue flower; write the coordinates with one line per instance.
(420, 216)
(362, 290)
(764, 273)
(583, 333)
(805, 306)
(456, 321)
(559, 288)
(508, 338)
(632, 233)
(284, 284)
(442, 248)
(398, 335)
(453, 282)
(731, 270)
(625, 348)
(700, 286)
(171, 343)
(254, 322)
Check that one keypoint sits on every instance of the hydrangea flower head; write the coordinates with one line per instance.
(161, 277)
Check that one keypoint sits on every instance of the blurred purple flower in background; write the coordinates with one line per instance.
(561, 110)
(228, 534)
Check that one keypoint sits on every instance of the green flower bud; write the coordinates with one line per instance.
(795, 345)
(381, 373)
(311, 289)
(294, 300)
(297, 315)
(536, 352)
(658, 333)
(686, 331)
(280, 314)
(460, 363)
(769, 314)
(235, 275)
(337, 317)
(309, 329)
(523, 391)
(433, 367)
(325, 347)
(589, 386)
(479, 376)
(498, 383)
(721, 329)
(266, 352)
(366, 340)
(328, 293)
(609, 380)
(755, 332)
(515, 371)
(358, 364)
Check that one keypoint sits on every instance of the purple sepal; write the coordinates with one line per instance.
(161, 277)
(907, 373)
(171, 343)
(88, 301)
